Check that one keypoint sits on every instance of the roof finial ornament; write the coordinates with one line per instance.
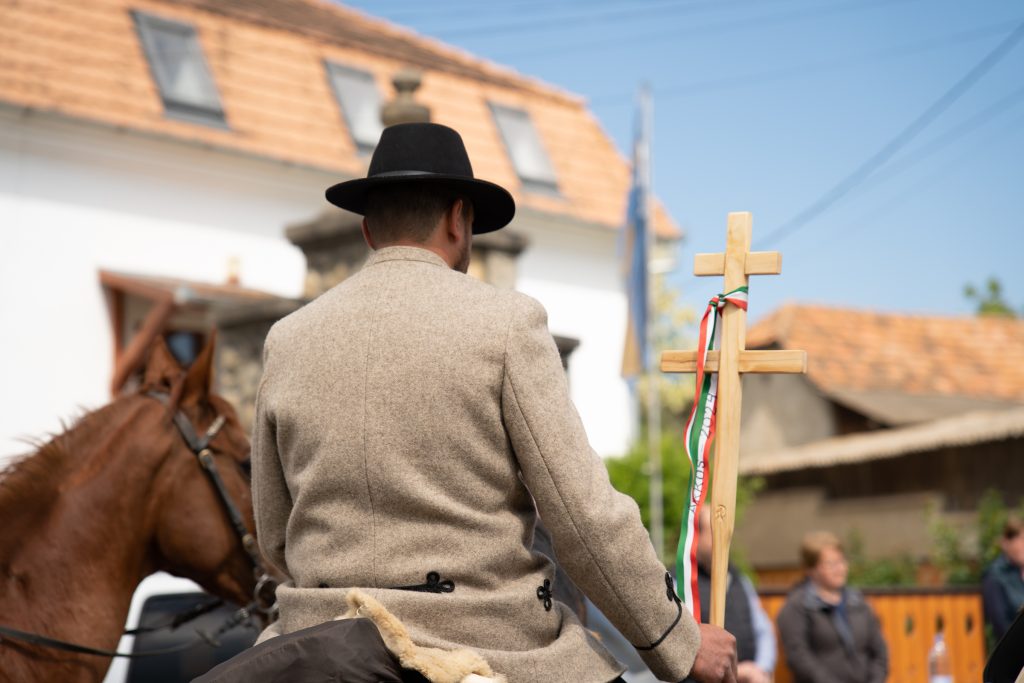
(404, 109)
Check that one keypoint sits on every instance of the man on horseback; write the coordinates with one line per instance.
(412, 425)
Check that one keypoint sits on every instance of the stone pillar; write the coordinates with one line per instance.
(495, 255)
(334, 248)
(404, 109)
(241, 331)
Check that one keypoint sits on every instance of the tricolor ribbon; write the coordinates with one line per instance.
(700, 429)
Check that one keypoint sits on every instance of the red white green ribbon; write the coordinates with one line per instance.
(700, 429)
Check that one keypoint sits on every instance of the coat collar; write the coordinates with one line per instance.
(851, 597)
(405, 254)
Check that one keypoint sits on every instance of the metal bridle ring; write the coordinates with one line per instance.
(258, 600)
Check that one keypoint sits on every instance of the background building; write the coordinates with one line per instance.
(153, 153)
(899, 419)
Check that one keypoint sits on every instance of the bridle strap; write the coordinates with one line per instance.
(184, 425)
(200, 447)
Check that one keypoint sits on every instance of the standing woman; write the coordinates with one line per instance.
(829, 633)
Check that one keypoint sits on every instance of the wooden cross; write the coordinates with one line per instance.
(737, 263)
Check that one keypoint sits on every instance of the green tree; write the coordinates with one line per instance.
(889, 571)
(672, 329)
(990, 301)
(630, 474)
(962, 563)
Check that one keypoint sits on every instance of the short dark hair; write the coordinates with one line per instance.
(409, 210)
(1014, 527)
(814, 544)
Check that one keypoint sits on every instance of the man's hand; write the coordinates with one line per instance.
(747, 672)
(716, 659)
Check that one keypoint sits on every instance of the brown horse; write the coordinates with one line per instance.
(113, 499)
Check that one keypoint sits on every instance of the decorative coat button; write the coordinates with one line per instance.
(544, 594)
(434, 584)
(671, 592)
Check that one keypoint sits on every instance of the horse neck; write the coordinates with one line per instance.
(83, 539)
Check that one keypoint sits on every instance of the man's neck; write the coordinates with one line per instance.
(421, 245)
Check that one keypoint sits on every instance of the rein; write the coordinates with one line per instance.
(200, 447)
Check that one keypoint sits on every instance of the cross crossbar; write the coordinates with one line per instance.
(790, 362)
(732, 359)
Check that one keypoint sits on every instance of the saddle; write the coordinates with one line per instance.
(367, 644)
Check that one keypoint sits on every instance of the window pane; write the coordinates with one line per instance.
(524, 146)
(178, 66)
(360, 104)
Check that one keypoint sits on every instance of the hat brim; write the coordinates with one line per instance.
(493, 205)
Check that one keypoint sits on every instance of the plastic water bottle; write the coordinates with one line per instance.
(940, 667)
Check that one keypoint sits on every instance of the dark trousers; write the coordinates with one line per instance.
(349, 650)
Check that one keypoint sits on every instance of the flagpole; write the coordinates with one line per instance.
(657, 512)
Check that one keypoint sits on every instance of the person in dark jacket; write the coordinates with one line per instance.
(829, 633)
(1002, 586)
(745, 618)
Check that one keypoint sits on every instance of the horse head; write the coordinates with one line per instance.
(194, 535)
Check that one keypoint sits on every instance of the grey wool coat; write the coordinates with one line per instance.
(411, 425)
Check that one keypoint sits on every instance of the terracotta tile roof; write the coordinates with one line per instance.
(863, 351)
(83, 59)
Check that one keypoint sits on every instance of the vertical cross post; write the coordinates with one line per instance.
(736, 264)
(730, 396)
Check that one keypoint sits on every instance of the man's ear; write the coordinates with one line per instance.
(453, 224)
(367, 236)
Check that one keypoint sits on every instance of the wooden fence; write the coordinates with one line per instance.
(910, 618)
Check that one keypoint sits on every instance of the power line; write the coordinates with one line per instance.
(455, 9)
(799, 70)
(906, 194)
(646, 39)
(939, 143)
(860, 174)
(705, 289)
(560, 23)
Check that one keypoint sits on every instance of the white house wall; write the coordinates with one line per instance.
(575, 273)
(76, 198)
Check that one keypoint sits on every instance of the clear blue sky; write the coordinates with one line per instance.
(767, 105)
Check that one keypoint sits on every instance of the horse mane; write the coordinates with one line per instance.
(34, 476)
(30, 484)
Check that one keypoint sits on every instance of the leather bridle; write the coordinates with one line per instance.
(264, 600)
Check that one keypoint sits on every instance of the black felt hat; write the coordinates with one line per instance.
(427, 153)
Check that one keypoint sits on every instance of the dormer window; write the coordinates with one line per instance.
(524, 147)
(356, 92)
(179, 69)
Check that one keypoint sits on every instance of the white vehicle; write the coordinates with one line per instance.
(157, 600)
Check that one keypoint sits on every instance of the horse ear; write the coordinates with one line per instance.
(161, 367)
(199, 379)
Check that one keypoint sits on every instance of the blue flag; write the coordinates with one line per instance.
(635, 359)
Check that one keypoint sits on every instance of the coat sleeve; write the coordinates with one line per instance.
(766, 649)
(596, 531)
(794, 630)
(271, 500)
